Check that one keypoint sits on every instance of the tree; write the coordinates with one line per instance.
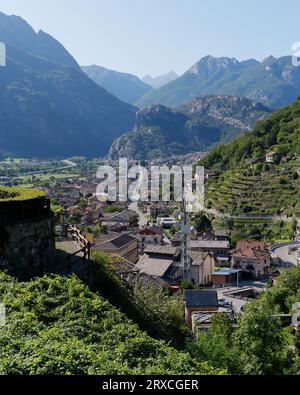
(201, 222)
(216, 345)
(262, 343)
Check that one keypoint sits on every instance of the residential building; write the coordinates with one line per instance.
(199, 301)
(161, 271)
(127, 218)
(163, 252)
(222, 235)
(270, 157)
(219, 248)
(202, 267)
(252, 257)
(202, 321)
(167, 223)
(123, 245)
(150, 235)
(156, 209)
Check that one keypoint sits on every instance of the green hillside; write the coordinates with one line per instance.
(58, 326)
(279, 132)
(246, 186)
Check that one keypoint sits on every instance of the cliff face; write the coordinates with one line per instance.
(197, 126)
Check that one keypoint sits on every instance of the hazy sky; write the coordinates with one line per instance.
(156, 36)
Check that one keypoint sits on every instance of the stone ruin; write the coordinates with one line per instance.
(27, 242)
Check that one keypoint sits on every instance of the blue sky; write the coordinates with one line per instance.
(156, 36)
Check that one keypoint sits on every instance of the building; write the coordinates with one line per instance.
(252, 257)
(122, 245)
(202, 267)
(163, 252)
(126, 219)
(156, 209)
(226, 276)
(219, 248)
(167, 223)
(151, 235)
(199, 301)
(202, 321)
(271, 157)
(90, 216)
(222, 235)
(176, 240)
(161, 271)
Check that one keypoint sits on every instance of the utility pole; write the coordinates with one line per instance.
(185, 258)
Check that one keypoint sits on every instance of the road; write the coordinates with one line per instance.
(68, 165)
(282, 251)
(237, 303)
(218, 214)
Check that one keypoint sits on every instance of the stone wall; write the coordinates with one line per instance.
(27, 248)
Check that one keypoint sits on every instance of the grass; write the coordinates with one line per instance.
(8, 194)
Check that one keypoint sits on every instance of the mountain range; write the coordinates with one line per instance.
(160, 80)
(196, 126)
(273, 82)
(48, 106)
(126, 87)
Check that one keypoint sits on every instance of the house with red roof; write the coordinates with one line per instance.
(252, 257)
(150, 235)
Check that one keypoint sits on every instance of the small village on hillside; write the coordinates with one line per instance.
(149, 194)
(148, 244)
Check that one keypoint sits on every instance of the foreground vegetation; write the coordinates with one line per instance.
(57, 326)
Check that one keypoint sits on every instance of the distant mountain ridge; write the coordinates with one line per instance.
(17, 33)
(160, 80)
(48, 106)
(197, 126)
(273, 82)
(126, 87)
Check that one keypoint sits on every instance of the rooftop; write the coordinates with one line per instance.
(161, 250)
(113, 242)
(222, 233)
(220, 244)
(153, 266)
(198, 257)
(199, 298)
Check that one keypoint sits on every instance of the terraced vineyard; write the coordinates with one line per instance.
(256, 190)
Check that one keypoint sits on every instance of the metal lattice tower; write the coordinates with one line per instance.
(185, 244)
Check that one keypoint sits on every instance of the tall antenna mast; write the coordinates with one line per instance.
(185, 241)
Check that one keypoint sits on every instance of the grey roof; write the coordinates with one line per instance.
(162, 250)
(219, 244)
(198, 257)
(199, 298)
(113, 242)
(127, 215)
(222, 232)
(153, 267)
